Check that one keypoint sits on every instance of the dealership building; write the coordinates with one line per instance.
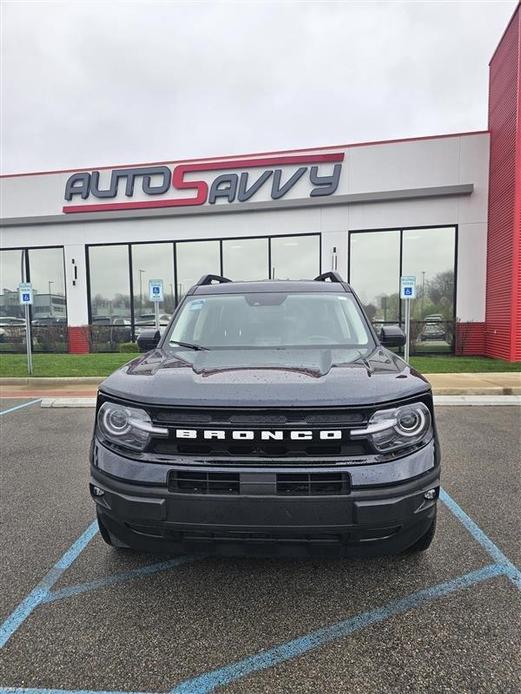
(445, 209)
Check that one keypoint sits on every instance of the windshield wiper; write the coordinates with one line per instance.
(189, 345)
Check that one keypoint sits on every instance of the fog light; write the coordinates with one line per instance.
(431, 494)
(97, 491)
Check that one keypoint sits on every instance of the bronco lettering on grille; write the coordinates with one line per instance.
(249, 435)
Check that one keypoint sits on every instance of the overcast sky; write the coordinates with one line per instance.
(93, 83)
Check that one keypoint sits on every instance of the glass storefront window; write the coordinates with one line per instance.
(109, 283)
(48, 279)
(376, 260)
(10, 277)
(152, 261)
(428, 254)
(374, 263)
(245, 259)
(295, 257)
(109, 297)
(195, 259)
(49, 309)
(180, 265)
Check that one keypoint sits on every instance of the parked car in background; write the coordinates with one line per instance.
(44, 321)
(433, 331)
(112, 329)
(148, 320)
(12, 329)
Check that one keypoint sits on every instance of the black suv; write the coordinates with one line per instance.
(268, 417)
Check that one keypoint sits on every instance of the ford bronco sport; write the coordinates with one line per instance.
(268, 417)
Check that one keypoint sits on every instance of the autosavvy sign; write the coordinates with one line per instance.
(162, 186)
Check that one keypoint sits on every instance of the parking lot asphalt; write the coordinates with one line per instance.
(123, 622)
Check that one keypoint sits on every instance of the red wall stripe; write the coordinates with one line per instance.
(503, 312)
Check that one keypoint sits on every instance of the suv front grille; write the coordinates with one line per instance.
(229, 449)
(280, 484)
(257, 417)
(226, 421)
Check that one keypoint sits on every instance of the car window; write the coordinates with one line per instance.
(269, 320)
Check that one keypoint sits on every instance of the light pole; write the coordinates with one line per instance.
(141, 273)
(50, 296)
(423, 291)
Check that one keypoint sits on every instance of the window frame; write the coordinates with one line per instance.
(27, 267)
(175, 243)
(401, 317)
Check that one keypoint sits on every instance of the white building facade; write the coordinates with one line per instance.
(90, 240)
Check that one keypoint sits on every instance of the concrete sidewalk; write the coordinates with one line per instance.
(493, 384)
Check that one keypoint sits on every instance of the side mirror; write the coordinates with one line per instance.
(392, 336)
(148, 339)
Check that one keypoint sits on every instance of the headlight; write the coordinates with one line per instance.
(389, 430)
(127, 426)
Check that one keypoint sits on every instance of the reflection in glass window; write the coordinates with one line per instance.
(195, 259)
(374, 263)
(48, 279)
(245, 259)
(295, 257)
(10, 277)
(267, 320)
(152, 261)
(109, 285)
(428, 254)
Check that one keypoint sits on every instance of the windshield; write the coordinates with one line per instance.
(271, 320)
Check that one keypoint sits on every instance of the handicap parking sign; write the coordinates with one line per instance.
(155, 290)
(408, 287)
(25, 293)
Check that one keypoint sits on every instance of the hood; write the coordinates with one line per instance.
(265, 378)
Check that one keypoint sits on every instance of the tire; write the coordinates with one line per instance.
(108, 537)
(425, 540)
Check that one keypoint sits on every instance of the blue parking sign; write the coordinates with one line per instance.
(25, 293)
(155, 290)
(408, 287)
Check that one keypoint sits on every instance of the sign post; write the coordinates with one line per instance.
(155, 294)
(25, 296)
(407, 292)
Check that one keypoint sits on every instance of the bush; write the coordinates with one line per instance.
(128, 347)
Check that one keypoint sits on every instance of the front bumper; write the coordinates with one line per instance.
(377, 514)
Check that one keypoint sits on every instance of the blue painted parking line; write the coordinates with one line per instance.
(115, 579)
(19, 407)
(316, 639)
(22, 690)
(513, 573)
(40, 592)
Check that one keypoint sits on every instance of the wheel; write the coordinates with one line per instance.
(108, 537)
(425, 540)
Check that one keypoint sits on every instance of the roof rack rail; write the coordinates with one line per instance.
(208, 279)
(331, 276)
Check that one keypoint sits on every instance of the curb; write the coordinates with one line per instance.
(483, 390)
(68, 402)
(51, 381)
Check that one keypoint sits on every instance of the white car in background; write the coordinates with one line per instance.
(11, 328)
(148, 320)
